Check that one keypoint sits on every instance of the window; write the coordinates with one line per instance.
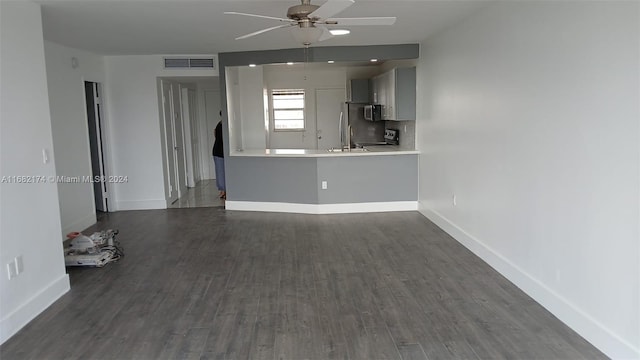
(288, 109)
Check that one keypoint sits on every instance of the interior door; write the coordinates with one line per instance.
(188, 148)
(167, 112)
(328, 108)
(94, 117)
(195, 139)
(178, 140)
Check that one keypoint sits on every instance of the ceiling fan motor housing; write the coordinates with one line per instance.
(301, 12)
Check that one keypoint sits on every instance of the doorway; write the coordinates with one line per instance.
(167, 116)
(191, 141)
(93, 96)
(187, 120)
(174, 140)
(328, 109)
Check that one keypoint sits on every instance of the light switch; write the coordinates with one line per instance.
(11, 270)
(19, 264)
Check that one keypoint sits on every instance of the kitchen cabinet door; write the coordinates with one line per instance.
(382, 95)
(358, 91)
(375, 90)
(399, 94)
(389, 84)
(395, 90)
(404, 100)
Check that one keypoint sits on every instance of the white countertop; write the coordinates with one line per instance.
(381, 150)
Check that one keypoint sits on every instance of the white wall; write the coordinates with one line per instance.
(70, 130)
(234, 111)
(252, 107)
(528, 113)
(29, 213)
(208, 116)
(135, 128)
(308, 77)
(364, 72)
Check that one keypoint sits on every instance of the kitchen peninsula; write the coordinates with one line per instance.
(314, 182)
(368, 151)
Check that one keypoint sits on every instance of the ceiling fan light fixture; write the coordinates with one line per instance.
(339, 32)
(306, 35)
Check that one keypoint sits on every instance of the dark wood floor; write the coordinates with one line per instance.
(208, 284)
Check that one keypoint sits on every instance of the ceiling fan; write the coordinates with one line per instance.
(308, 21)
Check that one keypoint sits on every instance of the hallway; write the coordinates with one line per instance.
(204, 194)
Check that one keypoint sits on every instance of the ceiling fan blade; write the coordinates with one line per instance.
(262, 31)
(326, 34)
(330, 8)
(258, 16)
(390, 20)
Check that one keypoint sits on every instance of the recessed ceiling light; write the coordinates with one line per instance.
(374, 60)
(290, 63)
(252, 65)
(339, 32)
(330, 61)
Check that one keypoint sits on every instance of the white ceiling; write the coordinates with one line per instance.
(118, 27)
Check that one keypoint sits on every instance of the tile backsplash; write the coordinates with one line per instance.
(407, 133)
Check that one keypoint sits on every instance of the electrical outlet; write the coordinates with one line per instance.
(11, 270)
(19, 265)
(324, 185)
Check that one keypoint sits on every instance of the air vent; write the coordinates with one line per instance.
(176, 63)
(201, 63)
(190, 63)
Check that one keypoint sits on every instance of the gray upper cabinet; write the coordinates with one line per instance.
(358, 91)
(395, 90)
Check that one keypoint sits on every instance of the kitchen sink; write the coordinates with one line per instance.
(348, 150)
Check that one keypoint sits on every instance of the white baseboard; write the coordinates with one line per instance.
(585, 325)
(322, 208)
(17, 319)
(140, 205)
(78, 225)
